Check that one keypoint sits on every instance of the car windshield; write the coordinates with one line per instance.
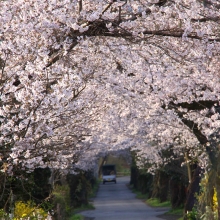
(108, 172)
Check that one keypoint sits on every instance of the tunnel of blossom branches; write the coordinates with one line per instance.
(82, 79)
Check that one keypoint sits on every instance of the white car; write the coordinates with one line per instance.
(108, 173)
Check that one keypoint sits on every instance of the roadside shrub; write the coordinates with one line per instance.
(207, 205)
(192, 215)
(28, 211)
(3, 215)
(61, 201)
(80, 187)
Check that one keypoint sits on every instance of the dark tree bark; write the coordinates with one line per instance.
(193, 189)
(177, 193)
(134, 176)
(156, 186)
(160, 186)
(145, 183)
(164, 186)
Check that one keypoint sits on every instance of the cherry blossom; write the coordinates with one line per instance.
(80, 79)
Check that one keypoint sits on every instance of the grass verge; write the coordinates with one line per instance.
(156, 203)
(84, 207)
(153, 202)
(139, 195)
(174, 212)
(76, 217)
(177, 211)
(75, 214)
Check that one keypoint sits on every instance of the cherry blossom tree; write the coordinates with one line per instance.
(83, 78)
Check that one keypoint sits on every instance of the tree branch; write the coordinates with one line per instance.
(98, 28)
(80, 6)
(194, 126)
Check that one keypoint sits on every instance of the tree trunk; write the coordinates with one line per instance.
(160, 186)
(156, 186)
(189, 172)
(163, 186)
(177, 193)
(134, 172)
(145, 183)
(193, 189)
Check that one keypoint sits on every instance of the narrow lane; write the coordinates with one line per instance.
(117, 202)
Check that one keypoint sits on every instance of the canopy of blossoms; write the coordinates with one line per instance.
(81, 78)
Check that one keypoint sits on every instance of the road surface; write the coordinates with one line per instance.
(117, 202)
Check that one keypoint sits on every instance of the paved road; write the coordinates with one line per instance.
(117, 202)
